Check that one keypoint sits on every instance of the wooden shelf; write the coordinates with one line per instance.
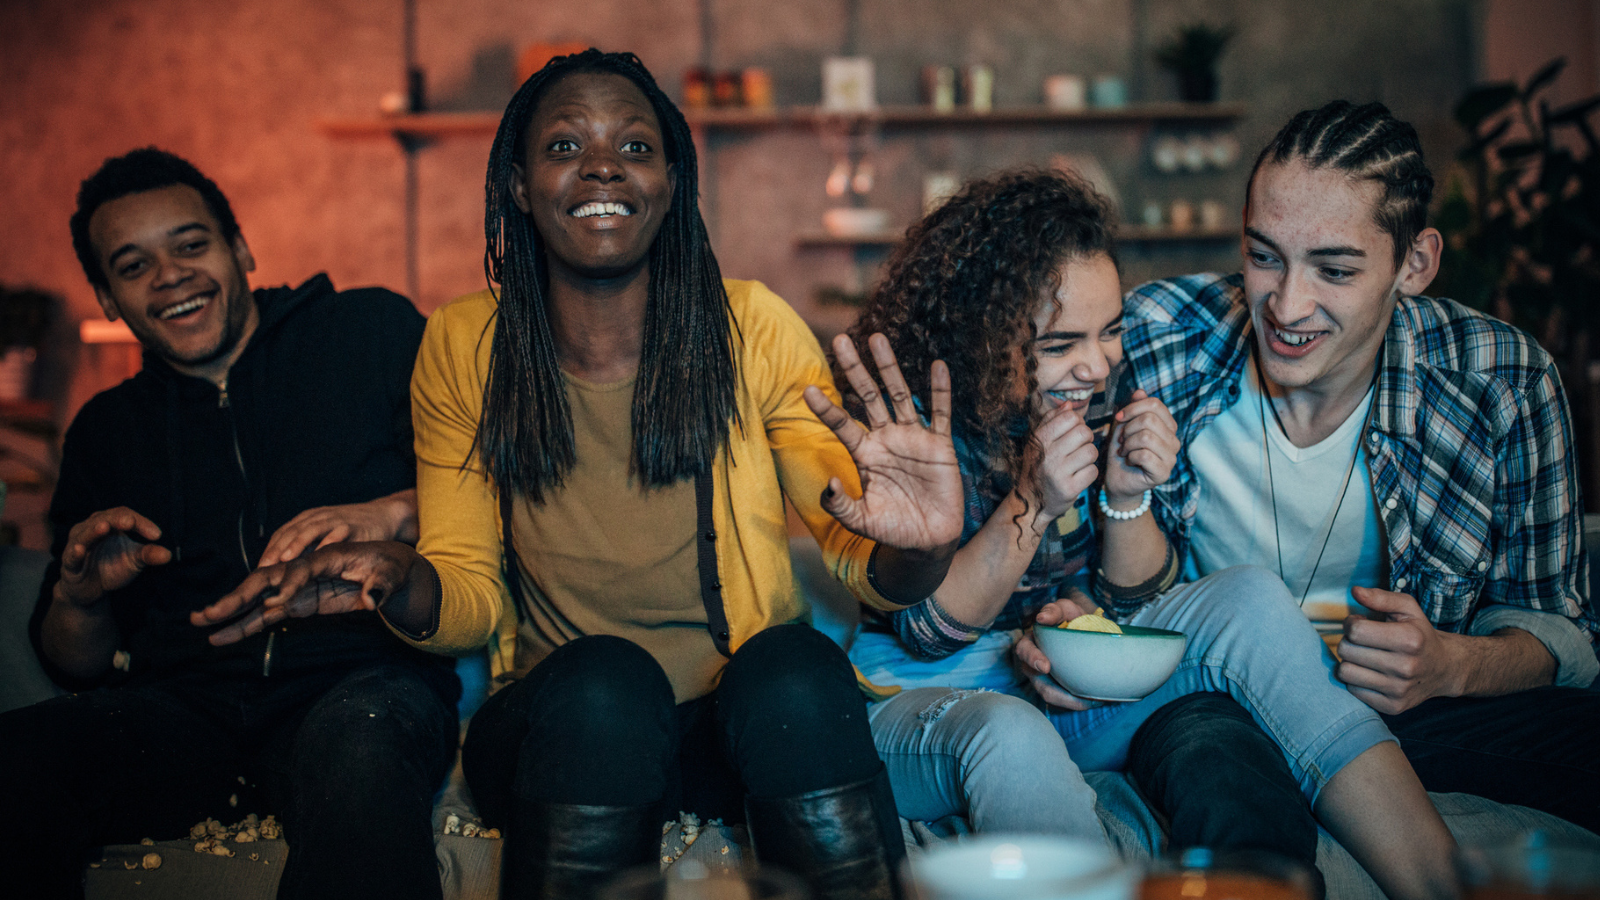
(1128, 234)
(449, 124)
(1145, 234)
(824, 239)
(413, 125)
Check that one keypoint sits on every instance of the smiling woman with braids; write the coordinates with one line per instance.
(616, 429)
(1014, 283)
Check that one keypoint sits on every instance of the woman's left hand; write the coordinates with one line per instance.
(1144, 446)
(910, 482)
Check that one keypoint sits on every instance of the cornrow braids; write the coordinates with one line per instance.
(1370, 144)
(965, 286)
(684, 396)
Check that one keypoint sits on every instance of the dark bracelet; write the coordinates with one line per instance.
(1124, 596)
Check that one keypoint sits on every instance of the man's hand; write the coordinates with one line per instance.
(343, 578)
(1067, 459)
(1144, 447)
(910, 481)
(1033, 665)
(1397, 661)
(106, 552)
(391, 518)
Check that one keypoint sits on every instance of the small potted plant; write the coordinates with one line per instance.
(1192, 55)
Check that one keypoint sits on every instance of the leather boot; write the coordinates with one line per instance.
(844, 842)
(566, 851)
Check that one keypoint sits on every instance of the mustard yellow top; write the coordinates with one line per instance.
(782, 450)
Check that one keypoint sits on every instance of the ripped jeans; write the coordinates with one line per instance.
(1246, 637)
(989, 756)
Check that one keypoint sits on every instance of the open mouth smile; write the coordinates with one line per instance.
(1064, 397)
(183, 308)
(1292, 343)
(596, 209)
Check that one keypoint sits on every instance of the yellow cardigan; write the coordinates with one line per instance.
(782, 450)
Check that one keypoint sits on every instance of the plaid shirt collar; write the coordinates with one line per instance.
(1477, 487)
(1222, 315)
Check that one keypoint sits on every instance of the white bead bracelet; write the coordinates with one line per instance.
(1124, 515)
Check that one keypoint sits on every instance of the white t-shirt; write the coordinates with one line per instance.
(1235, 521)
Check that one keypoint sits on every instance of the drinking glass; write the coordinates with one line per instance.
(690, 880)
(1021, 867)
(1203, 874)
(1531, 866)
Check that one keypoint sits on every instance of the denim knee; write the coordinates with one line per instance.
(1254, 603)
(993, 724)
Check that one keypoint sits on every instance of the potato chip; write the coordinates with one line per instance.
(1093, 622)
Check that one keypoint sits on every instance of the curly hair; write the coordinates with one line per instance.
(965, 286)
(684, 400)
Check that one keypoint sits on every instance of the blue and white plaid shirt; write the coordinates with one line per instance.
(1470, 448)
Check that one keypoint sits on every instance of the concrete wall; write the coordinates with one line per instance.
(238, 86)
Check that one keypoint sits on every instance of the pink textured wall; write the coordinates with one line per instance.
(238, 87)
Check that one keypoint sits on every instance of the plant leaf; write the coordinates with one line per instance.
(1544, 76)
(1482, 102)
(1476, 148)
(1572, 112)
(1518, 150)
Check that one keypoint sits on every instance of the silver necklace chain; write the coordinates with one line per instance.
(1272, 485)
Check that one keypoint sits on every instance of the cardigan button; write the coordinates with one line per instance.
(722, 635)
(711, 535)
(716, 584)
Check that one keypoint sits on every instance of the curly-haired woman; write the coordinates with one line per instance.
(1014, 284)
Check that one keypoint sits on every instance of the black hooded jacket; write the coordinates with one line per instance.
(316, 413)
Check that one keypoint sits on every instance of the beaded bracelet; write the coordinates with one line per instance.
(1121, 515)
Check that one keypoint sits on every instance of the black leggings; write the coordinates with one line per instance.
(595, 723)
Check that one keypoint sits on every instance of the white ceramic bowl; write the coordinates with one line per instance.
(1095, 665)
(1022, 867)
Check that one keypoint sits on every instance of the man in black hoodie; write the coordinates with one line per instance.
(264, 424)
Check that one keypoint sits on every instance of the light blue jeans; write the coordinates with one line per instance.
(1246, 637)
(985, 755)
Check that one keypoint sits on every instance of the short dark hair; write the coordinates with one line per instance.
(145, 169)
(1370, 144)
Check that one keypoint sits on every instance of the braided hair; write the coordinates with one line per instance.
(1370, 144)
(684, 398)
(965, 286)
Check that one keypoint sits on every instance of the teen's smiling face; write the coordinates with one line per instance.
(595, 177)
(1080, 333)
(1320, 275)
(180, 286)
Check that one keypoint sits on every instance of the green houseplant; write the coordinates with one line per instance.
(1521, 220)
(1192, 55)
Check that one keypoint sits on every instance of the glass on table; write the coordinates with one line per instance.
(691, 880)
(1532, 866)
(1203, 874)
(1020, 867)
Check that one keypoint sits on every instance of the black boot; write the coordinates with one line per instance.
(566, 851)
(844, 842)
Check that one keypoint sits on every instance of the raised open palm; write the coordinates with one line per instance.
(910, 482)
